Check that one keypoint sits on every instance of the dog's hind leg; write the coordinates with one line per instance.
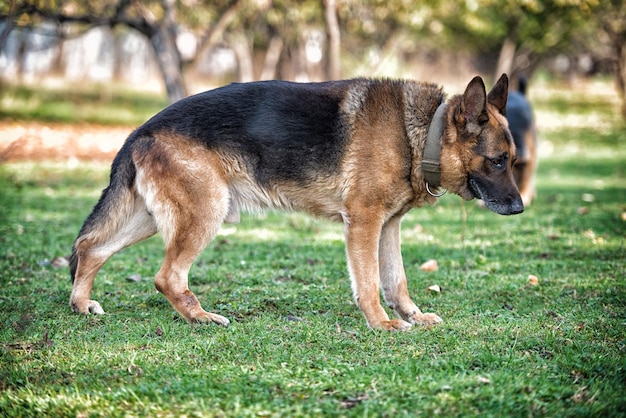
(393, 278)
(189, 205)
(119, 220)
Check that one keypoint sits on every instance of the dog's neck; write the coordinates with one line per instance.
(432, 149)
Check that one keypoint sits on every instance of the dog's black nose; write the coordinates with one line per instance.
(517, 207)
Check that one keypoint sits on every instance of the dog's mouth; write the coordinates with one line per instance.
(510, 205)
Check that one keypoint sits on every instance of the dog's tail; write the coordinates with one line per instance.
(114, 207)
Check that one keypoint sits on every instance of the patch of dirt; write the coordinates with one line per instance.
(38, 141)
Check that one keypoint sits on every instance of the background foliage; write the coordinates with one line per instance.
(269, 37)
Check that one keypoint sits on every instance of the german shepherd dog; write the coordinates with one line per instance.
(519, 114)
(361, 151)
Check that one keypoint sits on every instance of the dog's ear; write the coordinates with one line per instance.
(499, 94)
(473, 111)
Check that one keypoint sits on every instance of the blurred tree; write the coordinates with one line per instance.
(520, 33)
(523, 33)
(158, 20)
(334, 39)
(275, 29)
(10, 12)
(270, 38)
(611, 20)
(379, 28)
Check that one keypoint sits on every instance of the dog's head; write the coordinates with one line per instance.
(478, 152)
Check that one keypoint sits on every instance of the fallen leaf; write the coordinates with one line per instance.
(589, 234)
(484, 380)
(59, 262)
(580, 395)
(134, 278)
(430, 265)
(582, 210)
(352, 402)
(435, 288)
(588, 197)
(533, 280)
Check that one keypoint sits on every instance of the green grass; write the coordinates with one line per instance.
(506, 348)
(100, 104)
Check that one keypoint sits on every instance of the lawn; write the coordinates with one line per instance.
(103, 104)
(297, 344)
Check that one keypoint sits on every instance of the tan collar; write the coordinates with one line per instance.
(432, 150)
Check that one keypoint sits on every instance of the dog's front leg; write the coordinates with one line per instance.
(362, 237)
(393, 278)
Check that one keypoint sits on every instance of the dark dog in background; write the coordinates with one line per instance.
(362, 152)
(519, 114)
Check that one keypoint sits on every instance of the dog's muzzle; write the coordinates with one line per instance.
(501, 203)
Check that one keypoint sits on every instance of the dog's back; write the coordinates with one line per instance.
(520, 116)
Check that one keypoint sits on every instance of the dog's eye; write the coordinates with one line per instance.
(498, 162)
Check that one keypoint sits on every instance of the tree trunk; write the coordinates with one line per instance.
(169, 62)
(620, 74)
(58, 63)
(162, 35)
(505, 59)
(243, 50)
(118, 55)
(215, 34)
(22, 50)
(334, 40)
(272, 58)
(9, 24)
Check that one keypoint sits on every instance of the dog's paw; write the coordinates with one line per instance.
(208, 317)
(393, 325)
(87, 307)
(426, 319)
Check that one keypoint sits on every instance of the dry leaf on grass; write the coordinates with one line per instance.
(587, 197)
(430, 265)
(134, 278)
(59, 262)
(352, 402)
(588, 233)
(434, 288)
(533, 280)
(484, 380)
